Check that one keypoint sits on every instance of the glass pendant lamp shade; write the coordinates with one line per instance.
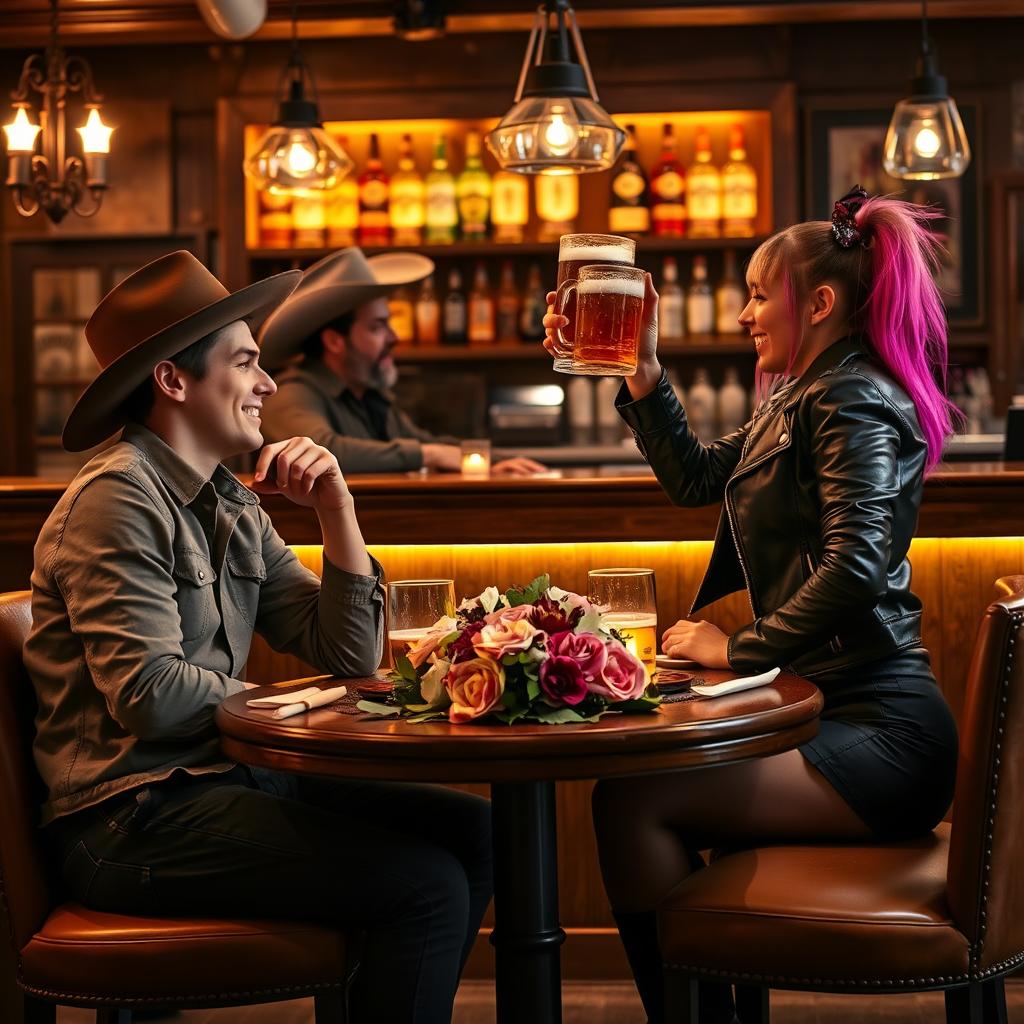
(556, 124)
(926, 138)
(296, 156)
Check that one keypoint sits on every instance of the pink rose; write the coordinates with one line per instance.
(520, 612)
(586, 649)
(561, 681)
(505, 636)
(475, 688)
(623, 677)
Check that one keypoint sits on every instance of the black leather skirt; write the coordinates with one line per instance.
(888, 743)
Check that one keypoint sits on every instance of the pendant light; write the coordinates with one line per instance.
(926, 138)
(556, 124)
(296, 156)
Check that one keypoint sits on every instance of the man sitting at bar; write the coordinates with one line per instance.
(151, 575)
(340, 393)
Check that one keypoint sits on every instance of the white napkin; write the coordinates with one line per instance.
(297, 701)
(735, 685)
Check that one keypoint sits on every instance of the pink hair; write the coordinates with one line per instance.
(891, 295)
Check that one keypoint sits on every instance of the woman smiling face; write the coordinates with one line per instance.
(769, 321)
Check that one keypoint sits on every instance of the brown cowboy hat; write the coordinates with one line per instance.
(334, 285)
(152, 315)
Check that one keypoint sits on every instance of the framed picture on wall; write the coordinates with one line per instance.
(844, 148)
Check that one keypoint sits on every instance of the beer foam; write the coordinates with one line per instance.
(611, 286)
(636, 620)
(595, 254)
(409, 635)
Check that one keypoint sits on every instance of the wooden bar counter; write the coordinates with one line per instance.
(505, 531)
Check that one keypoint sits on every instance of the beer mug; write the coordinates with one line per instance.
(632, 609)
(609, 312)
(413, 607)
(574, 253)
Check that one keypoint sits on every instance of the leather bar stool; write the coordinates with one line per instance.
(67, 954)
(945, 911)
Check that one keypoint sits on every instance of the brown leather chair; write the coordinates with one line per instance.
(942, 912)
(67, 954)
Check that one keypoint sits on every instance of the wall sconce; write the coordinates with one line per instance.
(296, 156)
(54, 180)
(556, 124)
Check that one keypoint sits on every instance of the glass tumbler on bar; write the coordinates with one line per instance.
(609, 313)
(631, 600)
(574, 253)
(413, 607)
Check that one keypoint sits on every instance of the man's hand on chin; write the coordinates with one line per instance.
(304, 472)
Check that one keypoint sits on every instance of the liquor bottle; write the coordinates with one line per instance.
(739, 189)
(481, 308)
(558, 203)
(275, 221)
(730, 298)
(309, 222)
(668, 189)
(473, 190)
(442, 213)
(407, 198)
(700, 303)
(703, 191)
(343, 210)
(400, 313)
(508, 304)
(581, 413)
(428, 314)
(670, 301)
(700, 405)
(510, 205)
(531, 313)
(628, 213)
(732, 403)
(374, 223)
(454, 310)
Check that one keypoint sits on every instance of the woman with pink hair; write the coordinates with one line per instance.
(820, 493)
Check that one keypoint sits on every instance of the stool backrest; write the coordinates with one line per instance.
(22, 875)
(984, 880)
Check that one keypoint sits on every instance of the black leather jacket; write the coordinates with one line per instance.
(820, 495)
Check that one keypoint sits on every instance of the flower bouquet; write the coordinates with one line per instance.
(534, 653)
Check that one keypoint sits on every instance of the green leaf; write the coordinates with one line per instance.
(405, 669)
(373, 708)
(630, 707)
(511, 715)
(429, 716)
(560, 716)
(532, 688)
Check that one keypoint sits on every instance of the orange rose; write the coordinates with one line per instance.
(475, 688)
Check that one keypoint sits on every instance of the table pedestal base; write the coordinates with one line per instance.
(528, 984)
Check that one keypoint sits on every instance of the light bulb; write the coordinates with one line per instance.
(559, 136)
(300, 159)
(21, 133)
(927, 142)
(95, 134)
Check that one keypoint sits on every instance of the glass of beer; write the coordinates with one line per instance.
(632, 609)
(413, 607)
(574, 253)
(609, 312)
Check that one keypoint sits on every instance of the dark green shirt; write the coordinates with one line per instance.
(149, 581)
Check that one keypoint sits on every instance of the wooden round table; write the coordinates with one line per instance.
(522, 763)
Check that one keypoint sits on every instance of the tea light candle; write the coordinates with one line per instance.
(476, 458)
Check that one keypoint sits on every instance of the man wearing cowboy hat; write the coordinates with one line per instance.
(151, 576)
(340, 395)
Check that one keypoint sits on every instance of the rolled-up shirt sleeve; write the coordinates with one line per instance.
(114, 571)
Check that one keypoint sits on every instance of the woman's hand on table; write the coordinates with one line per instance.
(698, 641)
(518, 465)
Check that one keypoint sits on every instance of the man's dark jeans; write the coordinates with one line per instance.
(409, 864)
